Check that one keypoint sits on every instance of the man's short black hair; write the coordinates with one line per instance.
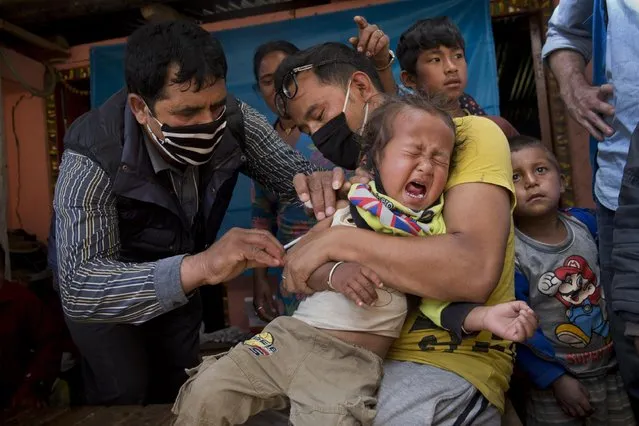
(341, 61)
(151, 49)
(427, 34)
(270, 47)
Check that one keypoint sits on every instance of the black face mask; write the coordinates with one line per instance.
(338, 143)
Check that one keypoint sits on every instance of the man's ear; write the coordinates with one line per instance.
(363, 85)
(408, 80)
(138, 107)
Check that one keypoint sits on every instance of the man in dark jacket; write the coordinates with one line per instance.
(625, 249)
(144, 184)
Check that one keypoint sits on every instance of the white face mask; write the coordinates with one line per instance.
(348, 92)
(192, 144)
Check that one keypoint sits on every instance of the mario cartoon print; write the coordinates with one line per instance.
(575, 285)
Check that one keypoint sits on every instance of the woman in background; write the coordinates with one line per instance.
(286, 221)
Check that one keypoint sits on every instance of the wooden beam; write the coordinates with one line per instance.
(4, 202)
(39, 11)
(80, 53)
(540, 78)
(30, 37)
(160, 12)
(30, 44)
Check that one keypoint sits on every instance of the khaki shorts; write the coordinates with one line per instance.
(328, 381)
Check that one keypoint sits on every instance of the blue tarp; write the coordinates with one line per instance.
(473, 18)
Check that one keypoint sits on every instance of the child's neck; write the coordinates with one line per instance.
(548, 229)
(458, 112)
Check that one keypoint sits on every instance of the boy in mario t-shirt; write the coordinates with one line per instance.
(570, 359)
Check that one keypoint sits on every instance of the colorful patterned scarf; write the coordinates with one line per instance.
(377, 211)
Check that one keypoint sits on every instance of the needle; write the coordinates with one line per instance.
(292, 243)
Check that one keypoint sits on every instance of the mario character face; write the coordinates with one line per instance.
(578, 282)
(575, 289)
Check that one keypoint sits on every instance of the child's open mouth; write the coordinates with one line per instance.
(416, 190)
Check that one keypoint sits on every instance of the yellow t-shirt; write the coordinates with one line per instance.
(483, 360)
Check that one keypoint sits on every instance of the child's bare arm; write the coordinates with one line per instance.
(356, 282)
(514, 321)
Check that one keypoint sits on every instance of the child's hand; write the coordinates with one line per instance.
(263, 303)
(511, 321)
(572, 396)
(356, 282)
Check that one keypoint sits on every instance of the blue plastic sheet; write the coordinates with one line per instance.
(473, 18)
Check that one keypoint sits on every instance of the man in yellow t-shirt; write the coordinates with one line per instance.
(430, 378)
(483, 360)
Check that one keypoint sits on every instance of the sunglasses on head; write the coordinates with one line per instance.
(290, 86)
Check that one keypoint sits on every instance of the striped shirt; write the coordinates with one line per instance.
(94, 284)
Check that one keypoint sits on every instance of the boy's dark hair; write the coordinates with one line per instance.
(270, 47)
(519, 142)
(151, 49)
(338, 60)
(379, 128)
(427, 34)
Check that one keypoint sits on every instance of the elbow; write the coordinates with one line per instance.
(73, 311)
(71, 306)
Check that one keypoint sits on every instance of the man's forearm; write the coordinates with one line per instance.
(423, 266)
(270, 161)
(388, 81)
(105, 290)
(569, 67)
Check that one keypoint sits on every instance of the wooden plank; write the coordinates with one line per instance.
(540, 79)
(36, 417)
(78, 416)
(109, 416)
(150, 415)
(125, 415)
